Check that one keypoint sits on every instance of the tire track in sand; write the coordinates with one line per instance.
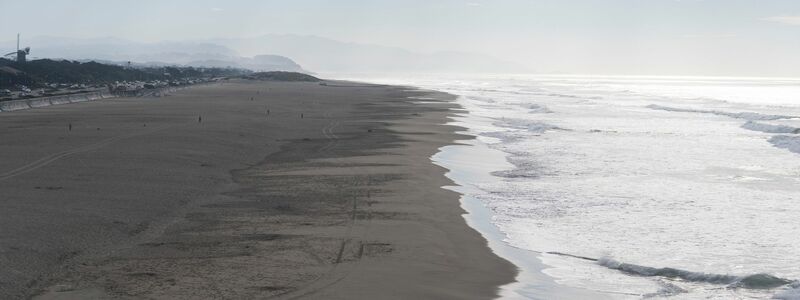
(44, 161)
(328, 279)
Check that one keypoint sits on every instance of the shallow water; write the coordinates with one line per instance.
(634, 186)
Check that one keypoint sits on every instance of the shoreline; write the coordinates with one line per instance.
(464, 171)
(531, 282)
(458, 158)
(332, 195)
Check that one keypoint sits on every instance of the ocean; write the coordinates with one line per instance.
(626, 187)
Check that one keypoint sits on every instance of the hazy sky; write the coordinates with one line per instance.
(689, 37)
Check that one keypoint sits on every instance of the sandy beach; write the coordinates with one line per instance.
(241, 190)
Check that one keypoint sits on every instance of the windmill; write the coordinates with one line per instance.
(21, 54)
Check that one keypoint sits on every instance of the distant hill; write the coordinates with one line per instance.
(313, 53)
(327, 55)
(113, 49)
(257, 63)
(120, 51)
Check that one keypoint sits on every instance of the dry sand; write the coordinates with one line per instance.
(203, 194)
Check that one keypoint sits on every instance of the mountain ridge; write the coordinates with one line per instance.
(306, 53)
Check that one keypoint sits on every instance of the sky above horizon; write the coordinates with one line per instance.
(654, 37)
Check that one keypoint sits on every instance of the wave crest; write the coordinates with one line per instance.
(769, 128)
(791, 143)
(753, 281)
(737, 115)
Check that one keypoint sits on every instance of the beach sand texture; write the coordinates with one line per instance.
(305, 191)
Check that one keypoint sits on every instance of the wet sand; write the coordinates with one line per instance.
(303, 191)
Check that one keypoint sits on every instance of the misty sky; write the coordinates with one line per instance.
(669, 37)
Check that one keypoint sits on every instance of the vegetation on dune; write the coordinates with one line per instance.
(38, 72)
(10, 77)
(283, 76)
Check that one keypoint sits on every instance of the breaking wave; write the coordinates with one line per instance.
(769, 128)
(791, 143)
(753, 281)
(529, 125)
(738, 115)
(538, 109)
(792, 293)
